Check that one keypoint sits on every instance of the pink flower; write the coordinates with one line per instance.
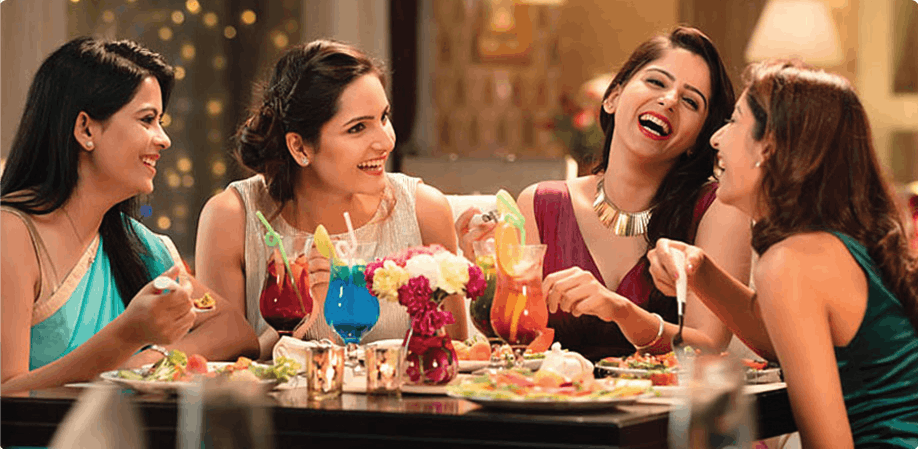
(430, 320)
(476, 285)
(370, 270)
(403, 256)
(416, 290)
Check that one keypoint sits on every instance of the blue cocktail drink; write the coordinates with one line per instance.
(350, 309)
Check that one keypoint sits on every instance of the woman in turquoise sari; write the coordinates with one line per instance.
(76, 268)
(836, 279)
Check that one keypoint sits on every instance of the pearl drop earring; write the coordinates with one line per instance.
(304, 161)
(89, 145)
(757, 164)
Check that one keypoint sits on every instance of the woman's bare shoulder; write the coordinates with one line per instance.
(817, 259)
(20, 262)
(227, 205)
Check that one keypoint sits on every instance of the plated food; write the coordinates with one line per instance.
(176, 370)
(474, 354)
(660, 369)
(663, 370)
(525, 389)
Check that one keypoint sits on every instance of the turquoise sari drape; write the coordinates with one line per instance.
(88, 299)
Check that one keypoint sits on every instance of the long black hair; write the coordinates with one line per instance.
(676, 196)
(302, 95)
(99, 78)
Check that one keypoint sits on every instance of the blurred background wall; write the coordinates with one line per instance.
(486, 93)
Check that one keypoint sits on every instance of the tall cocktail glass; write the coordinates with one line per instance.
(282, 305)
(480, 308)
(518, 312)
(350, 309)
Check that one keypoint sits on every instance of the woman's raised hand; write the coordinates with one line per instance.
(663, 266)
(162, 317)
(469, 230)
(577, 291)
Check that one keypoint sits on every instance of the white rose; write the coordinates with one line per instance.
(426, 266)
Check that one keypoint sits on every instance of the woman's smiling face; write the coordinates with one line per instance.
(739, 158)
(128, 144)
(660, 111)
(355, 142)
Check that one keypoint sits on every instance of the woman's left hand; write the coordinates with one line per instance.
(576, 291)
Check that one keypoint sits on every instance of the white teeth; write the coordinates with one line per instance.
(371, 165)
(652, 118)
(149, 161)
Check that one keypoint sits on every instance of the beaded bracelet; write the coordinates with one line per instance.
(657, 339)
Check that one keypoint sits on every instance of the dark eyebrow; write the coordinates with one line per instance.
(152, 109)
(687, 86)
(361, 118)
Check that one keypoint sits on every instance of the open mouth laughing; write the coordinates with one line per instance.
(150, 161)
(374, 166)
(654, 126)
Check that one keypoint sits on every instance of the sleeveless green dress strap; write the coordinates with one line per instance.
(878, 368)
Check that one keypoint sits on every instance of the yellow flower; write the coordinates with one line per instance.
(454, 272)
(388, 279)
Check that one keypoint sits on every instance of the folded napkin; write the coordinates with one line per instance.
(293, 348)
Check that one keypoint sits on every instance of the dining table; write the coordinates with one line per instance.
(416, 418)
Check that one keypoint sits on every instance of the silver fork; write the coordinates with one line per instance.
(676, 342)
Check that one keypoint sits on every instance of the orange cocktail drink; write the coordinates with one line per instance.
(518, 312)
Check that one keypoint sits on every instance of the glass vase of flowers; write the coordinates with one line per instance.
(421, 278)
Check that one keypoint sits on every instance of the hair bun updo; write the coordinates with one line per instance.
(302, 96)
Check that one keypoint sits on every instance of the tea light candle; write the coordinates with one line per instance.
(384, 370)
(325, 371)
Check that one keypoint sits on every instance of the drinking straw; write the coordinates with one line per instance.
(351, 236)
(273, 239)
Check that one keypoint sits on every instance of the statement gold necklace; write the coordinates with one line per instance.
(620, 222)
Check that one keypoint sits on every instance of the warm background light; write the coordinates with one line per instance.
(801, 29)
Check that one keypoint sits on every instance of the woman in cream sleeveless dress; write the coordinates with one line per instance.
(318, 141)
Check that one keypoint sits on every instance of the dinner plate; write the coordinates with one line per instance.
(668, 391)
(752, 376)
(169, 387)
(538, 399)
(591, 404)
(773, 375)
(640, 373)
(467, 366)
(470, 366)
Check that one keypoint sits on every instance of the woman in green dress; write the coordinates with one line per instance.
(836, 279)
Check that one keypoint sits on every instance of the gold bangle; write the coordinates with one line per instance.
(657, 339)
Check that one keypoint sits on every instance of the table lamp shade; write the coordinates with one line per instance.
(800, 29)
